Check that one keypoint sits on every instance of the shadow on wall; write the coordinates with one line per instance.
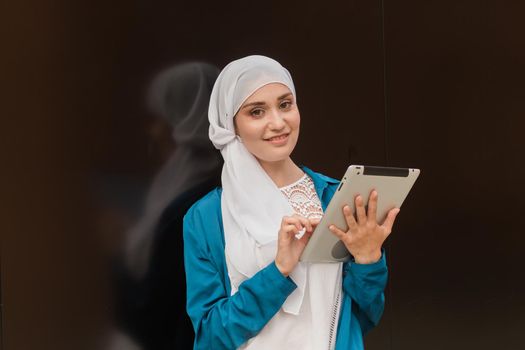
(149, 279)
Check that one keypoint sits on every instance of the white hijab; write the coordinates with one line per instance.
(252, 204)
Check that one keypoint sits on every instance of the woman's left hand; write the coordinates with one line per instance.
(365, 236)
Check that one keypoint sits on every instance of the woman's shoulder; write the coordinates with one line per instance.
(202, 224)
(319, 177)
(208, 204)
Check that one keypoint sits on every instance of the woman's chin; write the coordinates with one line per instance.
(274, 158)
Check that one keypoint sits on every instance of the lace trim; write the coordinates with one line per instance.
(293, 184)
(303, 198)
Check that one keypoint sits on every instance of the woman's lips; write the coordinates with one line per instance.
(277, 140)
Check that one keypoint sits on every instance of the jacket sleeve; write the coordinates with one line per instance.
(220, 320)
(365, 284)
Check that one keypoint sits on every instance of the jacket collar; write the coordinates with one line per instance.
(321, 182)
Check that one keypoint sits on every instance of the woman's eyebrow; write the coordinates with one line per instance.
(257, 103)
(284, 96)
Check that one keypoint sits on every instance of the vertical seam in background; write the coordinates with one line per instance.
(2, 306)
(385, 114)
(385, 92)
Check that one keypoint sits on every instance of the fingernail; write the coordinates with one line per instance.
(331, 227)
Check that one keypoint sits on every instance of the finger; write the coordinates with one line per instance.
(337, 231)
(304, 222)
(295, 221)
(372, 207)
(287, 220)
(314, 222)
(390, 219)
(349, 217)
(360, 210)
(286, 234)
(290, 229)
(308, 225)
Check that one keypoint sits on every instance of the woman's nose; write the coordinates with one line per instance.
(276, 121)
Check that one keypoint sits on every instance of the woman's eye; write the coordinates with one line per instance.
(257, 112)
(285, 104)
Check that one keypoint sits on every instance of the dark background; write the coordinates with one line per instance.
(436, 85)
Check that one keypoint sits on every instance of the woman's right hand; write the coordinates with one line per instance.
(290, 248)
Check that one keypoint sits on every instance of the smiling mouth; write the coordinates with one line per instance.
(278, 138)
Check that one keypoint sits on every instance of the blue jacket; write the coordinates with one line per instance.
(224, 321)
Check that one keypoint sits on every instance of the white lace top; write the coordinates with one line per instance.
(303, 198)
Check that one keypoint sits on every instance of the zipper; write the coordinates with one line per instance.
(333, 321)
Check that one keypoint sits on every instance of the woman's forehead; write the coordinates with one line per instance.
(269, 92)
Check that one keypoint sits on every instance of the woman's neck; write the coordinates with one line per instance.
(283, 172)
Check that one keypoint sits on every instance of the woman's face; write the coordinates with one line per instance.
(268, 123)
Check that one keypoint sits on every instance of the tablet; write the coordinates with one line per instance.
(392, 186)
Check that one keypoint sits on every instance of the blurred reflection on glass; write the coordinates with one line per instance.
(150, 287)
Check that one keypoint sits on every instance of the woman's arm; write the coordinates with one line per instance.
(222, 321)
(365, 279)
(365, 284)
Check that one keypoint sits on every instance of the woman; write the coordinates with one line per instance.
(246, 287)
